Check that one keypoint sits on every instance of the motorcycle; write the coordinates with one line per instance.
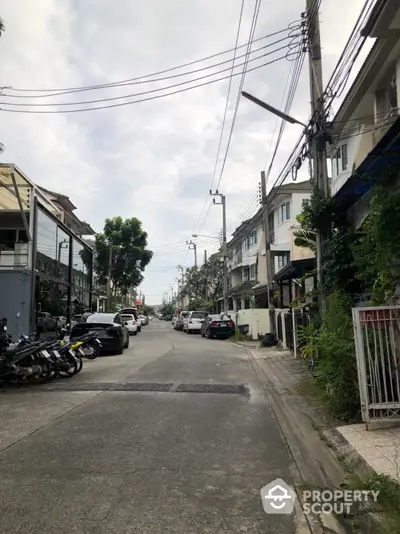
(22, 362)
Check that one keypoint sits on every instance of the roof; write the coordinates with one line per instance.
(380, 19)
(62, 199)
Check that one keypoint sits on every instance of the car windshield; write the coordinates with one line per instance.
(184, 314)
(127, 317)
(199, 315)
(101, 318)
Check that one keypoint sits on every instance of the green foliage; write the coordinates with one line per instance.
(129, 253)
(376, 246)
(333, 342)
(200, 305)
(207, 279)
(305, 239)
(148, 310)
(167, 309)
(309, 339)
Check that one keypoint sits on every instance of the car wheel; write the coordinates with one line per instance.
(121, 347)
(135, 333)
(126, 345)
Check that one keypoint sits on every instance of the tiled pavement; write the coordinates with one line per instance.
(379, 448)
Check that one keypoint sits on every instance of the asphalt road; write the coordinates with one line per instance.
(174, 436)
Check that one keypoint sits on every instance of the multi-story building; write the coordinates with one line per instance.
(45, 266)
(366, 128)
(247, 249)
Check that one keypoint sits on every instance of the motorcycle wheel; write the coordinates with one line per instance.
(79, 362)
(95, 353)
(45, 371)
(72, 369)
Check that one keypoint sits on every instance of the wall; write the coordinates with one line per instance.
(257, 319)
(284, 230)
(15, 291)
(299, 253)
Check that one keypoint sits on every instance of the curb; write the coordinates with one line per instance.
(347, 452)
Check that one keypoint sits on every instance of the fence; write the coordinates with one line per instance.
(377, 344)
(287, 323)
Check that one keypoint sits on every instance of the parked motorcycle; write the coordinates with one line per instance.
(22, 362)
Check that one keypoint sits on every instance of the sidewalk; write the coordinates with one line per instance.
(376, 449)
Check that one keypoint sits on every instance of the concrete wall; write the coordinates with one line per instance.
(257, 319)
(15, 300)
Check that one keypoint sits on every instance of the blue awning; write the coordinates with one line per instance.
(385, 154)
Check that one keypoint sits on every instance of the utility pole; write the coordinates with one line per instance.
(193, 246)
(110, 251)
(224, 245)
(205, 273)
(268, 255)
(319, 177)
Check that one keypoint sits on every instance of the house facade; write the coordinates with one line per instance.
(44, 265)
(366, 128)
(247, 249)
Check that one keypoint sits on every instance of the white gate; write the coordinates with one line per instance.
(377, 343)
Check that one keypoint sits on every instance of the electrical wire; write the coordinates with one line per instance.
(251, 36)
(225, 112)
(59, 91)
(120, 104)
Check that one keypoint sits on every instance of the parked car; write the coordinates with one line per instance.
(46, 322)
(145, 318)
(112, 331)
(75, 319)
(192, 323)
(135, 313)
(131, 323)
(142, 319)
(218, 325)
(180, 319)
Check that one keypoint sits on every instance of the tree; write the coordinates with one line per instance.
(148, 310)
(128, 242)
(204, 281)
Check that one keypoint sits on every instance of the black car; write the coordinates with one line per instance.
(112, 331)
(218, 325)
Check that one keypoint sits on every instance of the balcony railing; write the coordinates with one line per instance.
(14, 259)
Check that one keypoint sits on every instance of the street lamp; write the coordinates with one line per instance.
(273, 110)
(209, 236)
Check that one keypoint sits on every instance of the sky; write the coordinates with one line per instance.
(154, 160)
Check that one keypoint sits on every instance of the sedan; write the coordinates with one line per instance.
(112, 331)
(220, 326)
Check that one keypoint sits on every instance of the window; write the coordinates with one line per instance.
(251, 239)
(337, 160)
(284, 212)
(8, 238)
(345, 160)
(246, 274)
(283, 259)
(252, 272)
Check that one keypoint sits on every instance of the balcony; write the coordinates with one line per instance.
(14, 259)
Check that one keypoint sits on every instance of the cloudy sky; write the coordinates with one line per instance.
(154, 160)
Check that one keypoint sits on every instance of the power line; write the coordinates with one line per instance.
(59, 91)
(225, 113)
(120, 104)
(252, 30)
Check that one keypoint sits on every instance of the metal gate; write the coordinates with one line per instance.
(377, 343)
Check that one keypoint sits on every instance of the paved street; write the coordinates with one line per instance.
(173, 436)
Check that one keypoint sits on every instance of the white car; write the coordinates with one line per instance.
(132, 325)
(192, 323)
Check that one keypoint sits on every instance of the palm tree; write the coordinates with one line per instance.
(305, 239)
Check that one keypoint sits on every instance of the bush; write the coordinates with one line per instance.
(331, 344)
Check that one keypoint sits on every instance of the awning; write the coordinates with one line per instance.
(295, 269)
(244, 287)
(260, 288)
(385, 154)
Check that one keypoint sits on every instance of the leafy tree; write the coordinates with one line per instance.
(208, 279)
(128, 242)
(148, 310)
(167, 309)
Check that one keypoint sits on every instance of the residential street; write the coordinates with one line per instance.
(186, 454)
